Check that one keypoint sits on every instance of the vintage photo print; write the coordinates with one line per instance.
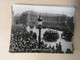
(42, 29)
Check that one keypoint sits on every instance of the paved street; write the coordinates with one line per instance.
(64, 44)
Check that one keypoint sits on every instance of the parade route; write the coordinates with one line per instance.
(65, 44)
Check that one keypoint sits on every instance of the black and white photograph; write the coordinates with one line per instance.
(42, 29)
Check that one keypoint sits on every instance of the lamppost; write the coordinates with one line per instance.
(39, 26)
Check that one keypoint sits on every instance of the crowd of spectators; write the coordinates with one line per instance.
(21, 39)
(24, 41)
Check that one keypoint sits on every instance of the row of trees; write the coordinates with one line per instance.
(53, 36)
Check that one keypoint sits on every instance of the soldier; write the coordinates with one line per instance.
(57, 48)
(60, 47)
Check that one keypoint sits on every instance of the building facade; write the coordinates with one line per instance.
(49, 20)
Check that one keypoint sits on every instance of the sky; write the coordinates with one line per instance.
(67, 10)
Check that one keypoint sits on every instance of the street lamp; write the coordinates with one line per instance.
(39, 26)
